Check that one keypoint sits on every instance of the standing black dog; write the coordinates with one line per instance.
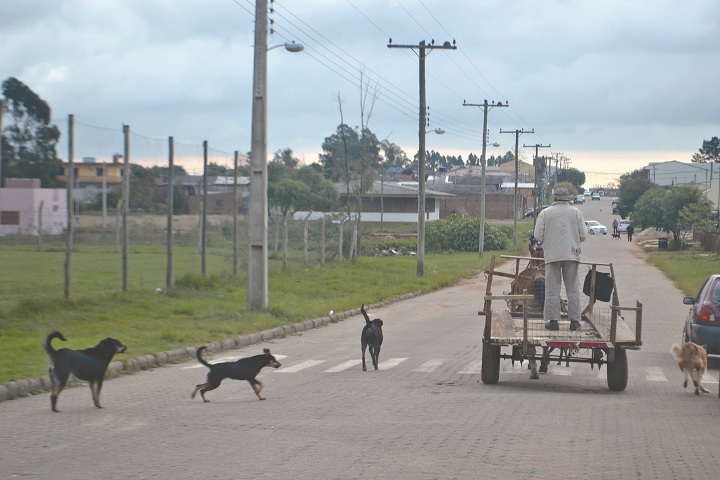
(372, 336)
(243, 369)
(89, 365)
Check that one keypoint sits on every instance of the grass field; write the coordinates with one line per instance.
(198, 310)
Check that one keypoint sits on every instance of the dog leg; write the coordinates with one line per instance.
(58, 384)
(533, 363)
(376, 357)
(364, 346)
(685, 383)
(698, 383)
(257, 386)
(545, 361)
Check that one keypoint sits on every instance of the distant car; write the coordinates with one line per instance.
(622, 226)
(586, 194)
(595, 228)
(537, 211)
(595, 196)
(702, 324)
(580, 199)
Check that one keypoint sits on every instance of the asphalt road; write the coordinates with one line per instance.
(424, 415)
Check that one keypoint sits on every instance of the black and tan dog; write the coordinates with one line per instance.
(372, 337)
(616, 236)
(243, 369)
(89, 365)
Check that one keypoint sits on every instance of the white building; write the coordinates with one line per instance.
(27, 209)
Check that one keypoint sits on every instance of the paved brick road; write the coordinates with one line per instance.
(424, 415)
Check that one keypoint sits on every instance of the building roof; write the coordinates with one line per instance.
(394, 189)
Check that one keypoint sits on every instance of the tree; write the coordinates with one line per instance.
(162, 172)
(29, 142)
(709, 152)
(142, 190)
(347, 144)
(632, 186)
(662, 209)
(572, 175)
(286, 157)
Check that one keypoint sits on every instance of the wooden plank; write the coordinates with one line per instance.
(502, 324)
(623, 334)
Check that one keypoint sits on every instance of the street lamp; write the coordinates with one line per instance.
(257, 291)
(437, 131)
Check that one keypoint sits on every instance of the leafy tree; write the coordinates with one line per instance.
(648, 209)
(322, 195)
(394, 155)
(142, 190)
(162, 172)
(347, 153)
(662, 209)
(698, 216)
(632, 186)
(571, 175)
(286, 157)
(709, 152)
(29, 142)
(216, 170)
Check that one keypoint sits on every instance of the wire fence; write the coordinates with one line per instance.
(208, 235)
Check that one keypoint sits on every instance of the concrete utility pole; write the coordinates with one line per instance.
(486, 106)
(517, 134)
(537, 190)
(421, 48)
(257, 293)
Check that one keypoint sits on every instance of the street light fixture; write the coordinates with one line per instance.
(257, 290)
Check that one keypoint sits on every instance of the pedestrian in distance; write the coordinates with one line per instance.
(561, 228)
(630, 231)
(615, 225)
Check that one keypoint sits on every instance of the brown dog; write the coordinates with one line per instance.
(692, 360)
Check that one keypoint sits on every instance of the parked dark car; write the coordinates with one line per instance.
(702, 325)
(537, 211)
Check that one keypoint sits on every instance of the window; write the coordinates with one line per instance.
(218, 203)
(9, 218)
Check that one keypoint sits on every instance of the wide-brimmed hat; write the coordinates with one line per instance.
(562, 195)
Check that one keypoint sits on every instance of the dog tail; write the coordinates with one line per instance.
(48, 346)
(676, 350)
(367, 319)
(198, 354)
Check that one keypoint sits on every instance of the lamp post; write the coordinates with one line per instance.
(257, 291)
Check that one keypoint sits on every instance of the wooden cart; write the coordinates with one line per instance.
(603, 338)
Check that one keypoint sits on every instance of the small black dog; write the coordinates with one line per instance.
(372, 336)
(243, 369)
(616, 236)
(89, 365)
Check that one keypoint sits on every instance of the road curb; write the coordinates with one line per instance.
(33, 386)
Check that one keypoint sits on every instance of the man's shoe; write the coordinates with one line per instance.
(552, 325)
(574, 325)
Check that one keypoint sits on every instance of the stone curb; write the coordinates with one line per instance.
(33, 386)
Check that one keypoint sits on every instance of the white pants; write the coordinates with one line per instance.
(566, 271)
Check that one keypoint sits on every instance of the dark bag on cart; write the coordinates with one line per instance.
(603, 285)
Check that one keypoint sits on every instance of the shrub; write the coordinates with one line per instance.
(460, 233)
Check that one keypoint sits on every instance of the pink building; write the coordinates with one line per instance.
(27, 209)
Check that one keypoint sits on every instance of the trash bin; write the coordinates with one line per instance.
(662, 243)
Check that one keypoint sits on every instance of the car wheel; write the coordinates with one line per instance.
(592, 232)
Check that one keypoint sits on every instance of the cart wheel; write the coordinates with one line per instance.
(490, 370)
(617, 371)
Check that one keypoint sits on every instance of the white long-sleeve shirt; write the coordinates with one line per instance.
(561, 228)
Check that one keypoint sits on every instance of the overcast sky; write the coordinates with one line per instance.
(613, 85)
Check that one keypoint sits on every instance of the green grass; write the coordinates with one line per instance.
(689, 269)
(198, 310)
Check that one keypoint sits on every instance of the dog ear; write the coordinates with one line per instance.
(267, 351)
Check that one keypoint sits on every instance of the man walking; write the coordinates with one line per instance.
(561, 229)
(615, 225)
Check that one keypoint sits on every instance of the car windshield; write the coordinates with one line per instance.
(716, 293)
(593, 223)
